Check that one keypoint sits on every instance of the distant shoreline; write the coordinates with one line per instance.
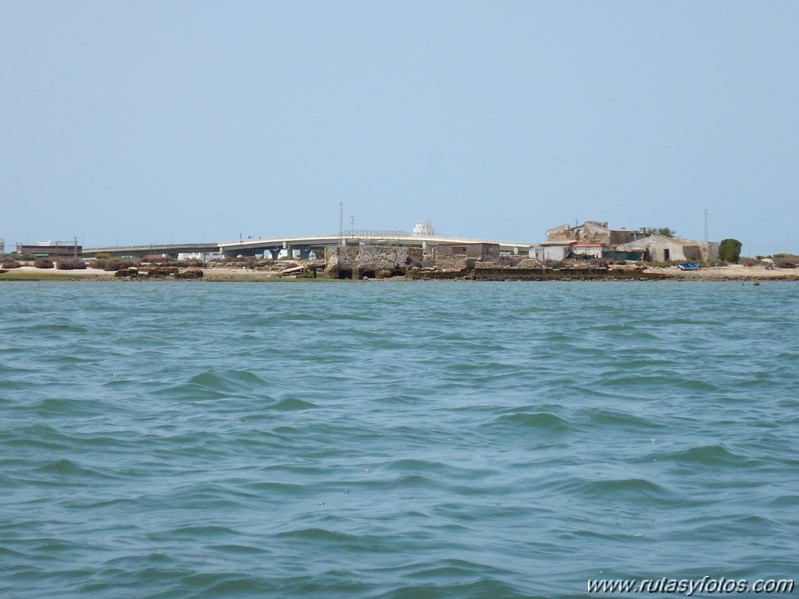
(716, 273)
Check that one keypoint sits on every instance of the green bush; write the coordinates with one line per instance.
(665, 231)
(730, 250)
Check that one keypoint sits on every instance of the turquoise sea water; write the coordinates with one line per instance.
(394, 440)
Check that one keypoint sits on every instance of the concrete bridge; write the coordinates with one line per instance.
(302, 246)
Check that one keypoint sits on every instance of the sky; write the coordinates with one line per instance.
(161, 121)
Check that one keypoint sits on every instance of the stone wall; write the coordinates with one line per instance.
(371, 261)
(454, 263)
(478, 251)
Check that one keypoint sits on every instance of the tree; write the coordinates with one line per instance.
(665, 231)
(730, 250)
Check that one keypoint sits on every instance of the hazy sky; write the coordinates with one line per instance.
(152, 121)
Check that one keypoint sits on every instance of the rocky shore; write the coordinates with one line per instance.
(465, 271)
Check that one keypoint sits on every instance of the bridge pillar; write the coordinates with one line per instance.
(305, 252)
(275, 253)
(289, 251)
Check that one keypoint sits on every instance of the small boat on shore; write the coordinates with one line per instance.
(688, 266)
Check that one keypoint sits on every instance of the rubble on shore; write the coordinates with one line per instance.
(405, 264)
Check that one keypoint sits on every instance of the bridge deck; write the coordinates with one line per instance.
(300, 242)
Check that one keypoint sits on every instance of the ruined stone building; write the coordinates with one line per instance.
(595, 239)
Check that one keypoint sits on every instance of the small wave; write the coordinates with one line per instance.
(54, 546)
(604, 417)
(786, 500)
(631, 490)
(280, 488)
(406, 481)
(288, 431)
(419, 472)
(7, 552)
(48, 327)
(240, 549)
(340, 540)
(116, 502)
(455, 578)
(451, 569)
(291, 404)
(354, 316)
(477, 589)
(540, 421)
(144, 564)
(6, 385)
(615, 327)
(67, 468)
(191, 391)
(706, 455)
(67, 407)
(658, 380)
(202, 531)
(759, 523)
(38, 437)
(235, 585)
(300, 317)
(229, 380)
(404, 465)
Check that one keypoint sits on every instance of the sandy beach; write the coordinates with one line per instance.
(96, 274)
(732, 272)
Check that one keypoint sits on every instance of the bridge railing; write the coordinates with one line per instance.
(371, 233)
(394, 234)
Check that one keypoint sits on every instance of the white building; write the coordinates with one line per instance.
(424, 229)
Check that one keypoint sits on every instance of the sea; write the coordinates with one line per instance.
(395, 440)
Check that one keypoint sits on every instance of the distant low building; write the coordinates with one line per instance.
(551, 251)
(51, 249)
(659, 248)
(478, 251)
(588, 250)
(204, 256)
(620, 236)
(555, 251)
(595, 239)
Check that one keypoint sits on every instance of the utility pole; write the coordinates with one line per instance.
(341, 221)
